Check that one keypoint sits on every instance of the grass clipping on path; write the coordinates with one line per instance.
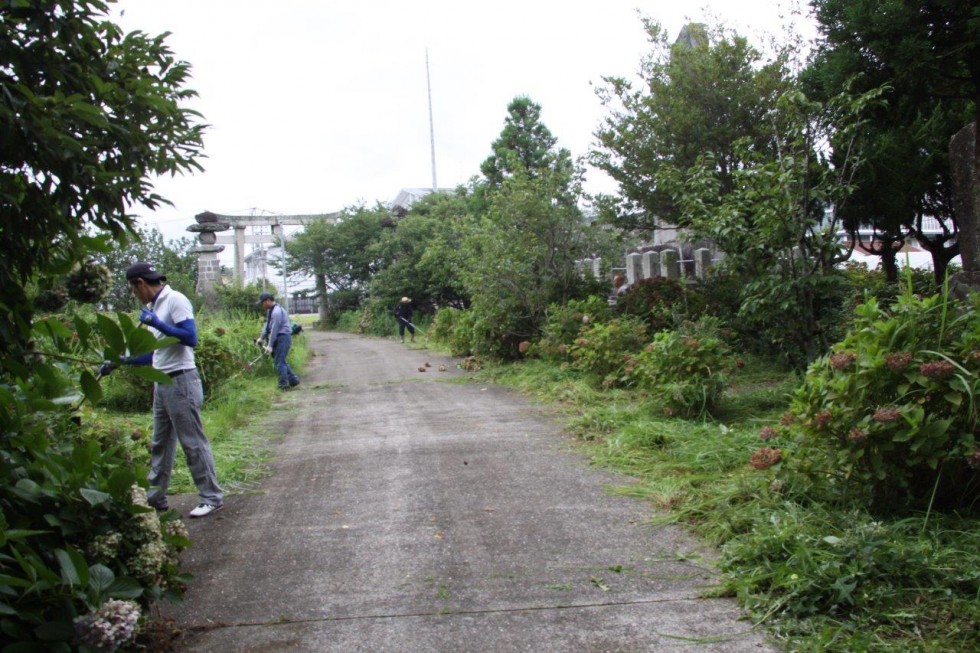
(822, 577)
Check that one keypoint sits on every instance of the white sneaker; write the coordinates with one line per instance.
(204, 509)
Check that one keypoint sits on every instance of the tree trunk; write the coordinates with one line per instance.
(321, 295)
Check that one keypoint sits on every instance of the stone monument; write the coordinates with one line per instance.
(966, 206)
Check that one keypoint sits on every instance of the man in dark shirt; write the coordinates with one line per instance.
(403, 313)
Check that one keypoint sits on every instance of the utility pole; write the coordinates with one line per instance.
(432, 133)
(285, 273)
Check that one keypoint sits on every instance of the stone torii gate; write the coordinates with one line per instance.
(211, 244)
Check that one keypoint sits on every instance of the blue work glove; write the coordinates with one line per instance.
(149, 317)
(105, 369)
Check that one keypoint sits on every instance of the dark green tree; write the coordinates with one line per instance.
(928, 54)
(698, 96)
(306, 253)
(771, 223)
(148, 244)
(525, 145)
(420, 257)
(519, 258)
(87, 115)
(340, 256)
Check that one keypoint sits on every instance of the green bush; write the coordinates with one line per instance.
(462, 338)
(891, 413)
(348, 321)
(661, 302)
(564, 323)
(371, 317)
(340, 302)
(78, 544)
(125, 392)
(234, 299)
(443, 324)
(225, 346)
(685, 368)
(472, 333)
(722, 293)
(604, 349)
(216, 361)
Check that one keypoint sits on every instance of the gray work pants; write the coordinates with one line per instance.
(177, 418)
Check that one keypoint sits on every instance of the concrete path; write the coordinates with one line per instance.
(422, 511)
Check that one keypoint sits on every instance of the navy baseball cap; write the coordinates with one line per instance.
(264, 296)
(144, 270)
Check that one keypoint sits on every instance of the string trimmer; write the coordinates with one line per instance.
(410, 324)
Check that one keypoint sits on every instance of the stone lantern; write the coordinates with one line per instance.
(208, 264)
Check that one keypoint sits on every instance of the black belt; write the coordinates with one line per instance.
(179, 372)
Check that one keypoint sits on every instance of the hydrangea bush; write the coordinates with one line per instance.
(891, 412)
(686, 368)
(565, 322)
(661, 302)
(75, 529)
(604, 349)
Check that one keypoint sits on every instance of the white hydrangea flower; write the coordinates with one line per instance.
(109, 627)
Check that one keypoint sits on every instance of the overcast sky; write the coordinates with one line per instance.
(316, 105)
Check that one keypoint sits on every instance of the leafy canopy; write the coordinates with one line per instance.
(698, 96)
(87, 115)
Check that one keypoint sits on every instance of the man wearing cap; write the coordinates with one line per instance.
(277, 336)
(177, 405)
(403, 313)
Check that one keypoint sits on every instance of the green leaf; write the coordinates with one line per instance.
(18, 534)
(14, 581)
(83, 330)
(101, 578)
(954, 398)
(113, 336)
(55, 631)
(83, 457)
(94, 497)
(151, 374)
(69, 575)
(121, 480)
(91, 387)
(126, 322)
(125, 588)
(141, 341)
(28, 490)
(55, 328)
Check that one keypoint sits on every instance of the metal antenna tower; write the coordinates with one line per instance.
(432, 133)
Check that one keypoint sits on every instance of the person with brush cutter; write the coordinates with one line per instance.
(177, 405)
(276, 339)
(403, 313)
